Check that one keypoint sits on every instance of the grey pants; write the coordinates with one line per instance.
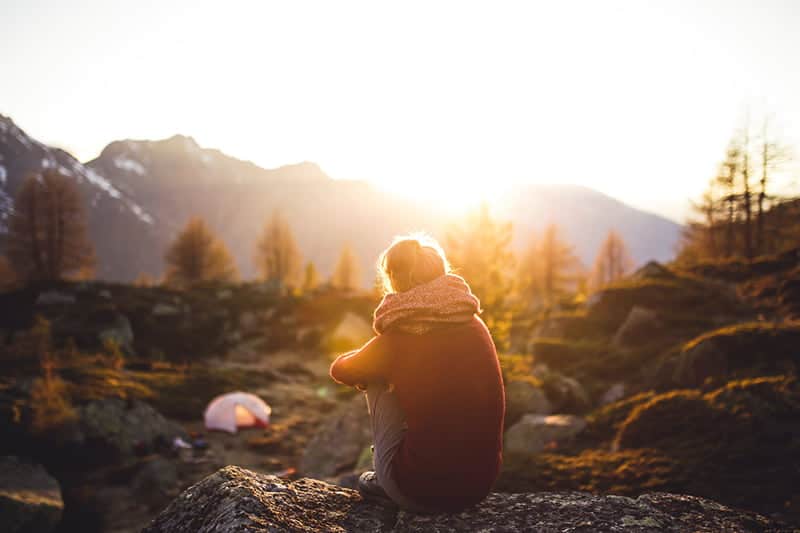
(388, 428)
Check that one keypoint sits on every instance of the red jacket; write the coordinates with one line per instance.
(449, 385)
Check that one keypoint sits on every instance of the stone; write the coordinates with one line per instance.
(615, 393)
(653, 269)
(162, 309)
(55, 298)
(224, 294)
(117, 328)
(336, 446)
(640, 324)
(565, 394)
(106, 294)
(523, 397)
(535, 433)
(235, 499)
(122, 427)
(30, 499)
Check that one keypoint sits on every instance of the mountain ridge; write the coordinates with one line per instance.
(140, 193)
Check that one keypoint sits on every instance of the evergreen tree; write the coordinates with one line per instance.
(198, 256)
(277, 255)
(47, 237)
(347, 273)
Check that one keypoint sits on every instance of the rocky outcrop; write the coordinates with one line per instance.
(30, 500)
(335, 448)
(535, 433)
(522, 398)
(121, 428)
(234, 499)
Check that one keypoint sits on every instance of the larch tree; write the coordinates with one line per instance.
(277, 256)
(47, 238)
(549, 268)
(310, 277)
(612, 263)
(346, 274)
(198, 256)
(479, 249)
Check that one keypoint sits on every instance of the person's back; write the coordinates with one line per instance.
(449, 386)
(434, 387)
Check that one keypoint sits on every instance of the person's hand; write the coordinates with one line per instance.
(361, 386)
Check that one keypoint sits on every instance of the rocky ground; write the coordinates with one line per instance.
(235, 499)
(669, 381)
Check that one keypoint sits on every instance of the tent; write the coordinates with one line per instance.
(234, 410)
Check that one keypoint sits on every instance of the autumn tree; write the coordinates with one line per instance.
(613, 261)
(47, 238)
(346, 274)
(277, 256)
(733, 217)
(549, 267)
(197, 256)
(479, 250)
(310, 277)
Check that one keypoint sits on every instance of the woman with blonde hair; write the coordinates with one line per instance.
(433, 383)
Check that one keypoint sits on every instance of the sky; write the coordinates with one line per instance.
(448, 102)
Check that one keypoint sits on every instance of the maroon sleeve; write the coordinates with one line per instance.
(367, 364)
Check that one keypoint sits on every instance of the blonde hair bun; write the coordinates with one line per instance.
(409, 261)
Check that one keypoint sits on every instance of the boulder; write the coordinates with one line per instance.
(535, 433)
(745, 350)
(163, 309)
(122, 428)
(522, 398)
(117, 328)
(615, 393)
(234, 499)
(30, 500)
(640, 324)
(653, 270)
(55, 298)
(566, 394)
(336, 446)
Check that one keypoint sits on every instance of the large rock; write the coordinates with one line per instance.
(234, 499)
(745, 350)
(640, 324)
(535, 433)
(522, 398)
(116, 328)
(336, 446)
(122, 427)
(30, 500)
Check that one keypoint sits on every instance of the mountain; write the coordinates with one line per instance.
(141, 193)
(117, 225)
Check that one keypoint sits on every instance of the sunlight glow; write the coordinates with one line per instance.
(445, 101)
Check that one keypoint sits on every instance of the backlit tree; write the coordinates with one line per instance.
(47, 237)
(198, 256)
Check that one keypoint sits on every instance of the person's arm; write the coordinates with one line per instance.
(365, 365)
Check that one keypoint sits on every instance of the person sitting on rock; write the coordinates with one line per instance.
(433, 385)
